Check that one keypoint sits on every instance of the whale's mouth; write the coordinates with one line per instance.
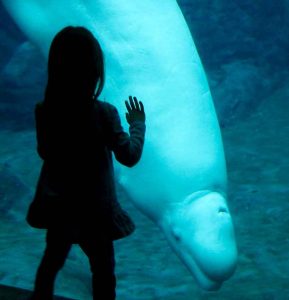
(186, 255)
(204, 281)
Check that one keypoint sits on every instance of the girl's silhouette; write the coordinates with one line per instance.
(75, 198)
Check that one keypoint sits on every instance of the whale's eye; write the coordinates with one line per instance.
(176, 235)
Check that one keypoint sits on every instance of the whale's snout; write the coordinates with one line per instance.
(201, 232)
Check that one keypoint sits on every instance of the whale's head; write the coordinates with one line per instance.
(200, 231)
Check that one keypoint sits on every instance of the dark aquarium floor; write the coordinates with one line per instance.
(12, 293)
(258, 167)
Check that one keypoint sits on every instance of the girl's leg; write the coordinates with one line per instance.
(102, 264)
(57, 249)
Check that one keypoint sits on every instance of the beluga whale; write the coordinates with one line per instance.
(180, 183)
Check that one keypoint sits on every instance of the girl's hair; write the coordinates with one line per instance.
(75, 68)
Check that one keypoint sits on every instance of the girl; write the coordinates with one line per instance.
(76, 135)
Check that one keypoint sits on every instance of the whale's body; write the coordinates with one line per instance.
(180, 181)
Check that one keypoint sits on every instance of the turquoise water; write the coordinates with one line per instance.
(244, 51)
